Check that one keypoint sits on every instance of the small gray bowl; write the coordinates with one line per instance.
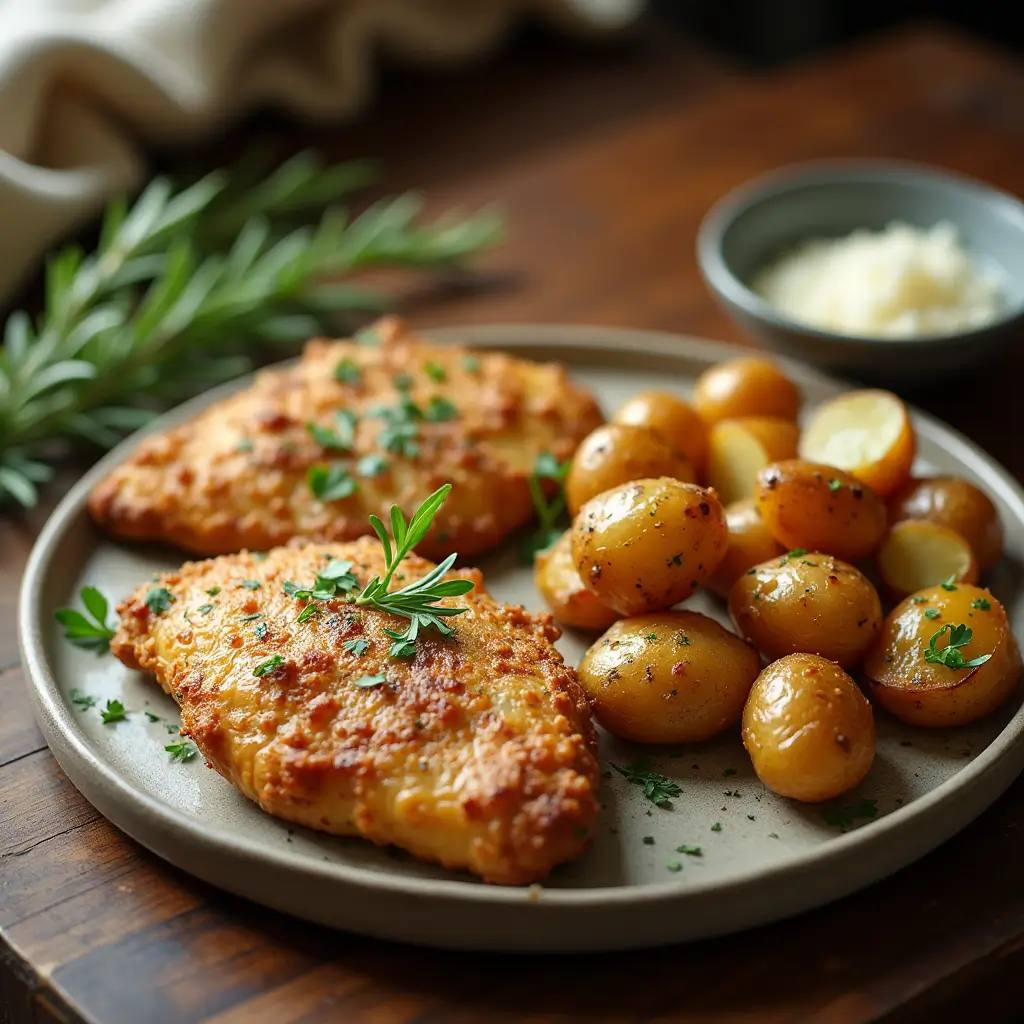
(749, 227)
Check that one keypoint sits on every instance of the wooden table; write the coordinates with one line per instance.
(605, 164)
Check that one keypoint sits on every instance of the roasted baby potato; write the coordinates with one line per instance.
(672, 416)
(615, 454)
(914, 673)
(647, 545)
(807, 603)
(745, 387)
(750, 543)
(918, 553)
(555, 575)
(675, 677)
(868, 433)
(808, 729)
(820, 508)
(957, 504)
(740, 449)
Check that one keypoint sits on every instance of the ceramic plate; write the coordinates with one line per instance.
(761, 858)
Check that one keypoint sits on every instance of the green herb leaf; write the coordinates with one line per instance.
(205, 609)
(331, 483)
(250, 584)
(717, 827)
(113, 712)
(982, 604)
(471, 364)
(440, 410)
(834, 485)
(368, 682)
(691, 851)
(213, 591)
(656, 787)
(949, 583)
(549, 511)
(261, 631)
(356, 647)
(82, 701)
(151, 717)
(846, 816)
(436, 372)
(402, 381)
(251, 618)
(931, 613)
(268, 666)
(371, 465)
(158, 600)
(341, 436)
(918, 600)
(950, 655)
(182, 751)
(347, 371)
(89, 633)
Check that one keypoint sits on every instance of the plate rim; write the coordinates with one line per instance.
(67, 743)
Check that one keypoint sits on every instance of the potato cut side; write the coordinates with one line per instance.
(739, 449)
(918, 554)
(867, 433)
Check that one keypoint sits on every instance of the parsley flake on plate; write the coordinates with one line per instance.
(656, 787)
(183, 751)
(113, 712)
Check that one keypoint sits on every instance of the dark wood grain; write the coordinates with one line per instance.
(604, 191)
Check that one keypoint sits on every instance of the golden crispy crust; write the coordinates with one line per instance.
(236, 475)
(477, 753)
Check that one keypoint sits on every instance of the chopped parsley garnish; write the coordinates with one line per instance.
(151, 717)
(846, 816)
(82, 701)
(834, 485)
(773, 835)
(656, 787)
(181, 752)
(113, 712)
(400, 430)
(949, 583)
(416, 601)
(338, 438)
(347, 371)
(331, 483)
(368, 682)
(261, 631)
(243, 445)
(440, 410)
(402, 381)
(436, 372)
(213, 591)
(651, 637)
(367, 336)
(648, 840)
(471, 364)
(931, 613)
(682, 640)
(690, 851)
(205, 609)
(951, 655)
(674, 865)
(268, 666)
(918, 599)
(251, 618)
(371, 465)
(982, 604)
(717, 827)
(356, 647)
(158, 599)
(250, 584)
(87, 631)
(549, 511)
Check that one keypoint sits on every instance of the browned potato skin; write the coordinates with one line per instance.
(811, 603)
(555, 576)
(929, 693)
(803, 509)
(672, 416)
(650, 544)
(957, 504)
(615, 454)
(808, 729)
(750, 543)
(745, 387)
(674, 677)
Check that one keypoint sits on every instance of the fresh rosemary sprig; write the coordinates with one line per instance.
(180, 287)
(417, 601)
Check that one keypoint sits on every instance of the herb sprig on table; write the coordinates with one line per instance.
(183, 286)
(549, 509)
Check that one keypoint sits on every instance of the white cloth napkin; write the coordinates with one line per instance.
(82, 81)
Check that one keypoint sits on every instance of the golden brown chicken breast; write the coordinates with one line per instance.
(478, 752)
(312, 450)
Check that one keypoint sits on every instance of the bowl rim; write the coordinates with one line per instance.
(723, 281)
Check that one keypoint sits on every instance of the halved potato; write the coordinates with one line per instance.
(924, 689)
(867, 433)
(559, 583)
(957, 504)
(739, 449)
(918, 554)
(750, 544)
(750, 386)
(672, 416)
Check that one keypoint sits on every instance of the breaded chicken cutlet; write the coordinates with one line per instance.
(312, 450)
(478, 752)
